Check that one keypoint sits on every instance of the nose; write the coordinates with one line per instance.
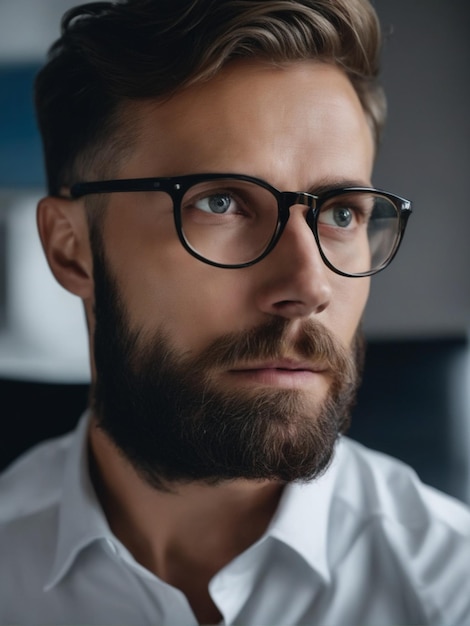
(296, 282)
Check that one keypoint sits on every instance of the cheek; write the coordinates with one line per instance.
(194, 305)
(166, 289)
(348, 307)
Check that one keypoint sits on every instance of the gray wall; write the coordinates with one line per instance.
(426, 157)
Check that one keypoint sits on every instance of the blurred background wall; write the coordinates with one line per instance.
(425, 157)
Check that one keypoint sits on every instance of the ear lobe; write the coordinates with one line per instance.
(63, 230)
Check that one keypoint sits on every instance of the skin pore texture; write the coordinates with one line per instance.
(299, 127)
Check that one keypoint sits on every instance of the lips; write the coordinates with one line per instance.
(288, 365)
(281, 374)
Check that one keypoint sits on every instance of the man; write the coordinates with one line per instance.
(210, 201)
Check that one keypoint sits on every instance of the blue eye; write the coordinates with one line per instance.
(339, 217)
(342, 217)
(217, 203)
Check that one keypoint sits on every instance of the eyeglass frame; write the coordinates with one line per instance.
(177, 186)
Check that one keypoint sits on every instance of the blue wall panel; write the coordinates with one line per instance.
(20, 147)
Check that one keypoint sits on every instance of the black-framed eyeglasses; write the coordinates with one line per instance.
(234, 221)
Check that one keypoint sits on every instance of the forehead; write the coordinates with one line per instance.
(257, 119)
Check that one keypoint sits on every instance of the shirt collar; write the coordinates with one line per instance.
(302, 518)
(80, 517)
(300, 522)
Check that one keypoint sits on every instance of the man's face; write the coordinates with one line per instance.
(233, 337)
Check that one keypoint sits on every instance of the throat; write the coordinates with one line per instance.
(186, 536)
(196, 589)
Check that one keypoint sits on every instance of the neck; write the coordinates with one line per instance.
(184, 536)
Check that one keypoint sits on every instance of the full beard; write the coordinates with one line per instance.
(174, 423)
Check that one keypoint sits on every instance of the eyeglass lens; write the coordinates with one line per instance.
(232, 222)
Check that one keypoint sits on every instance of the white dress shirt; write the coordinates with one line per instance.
(364, 545)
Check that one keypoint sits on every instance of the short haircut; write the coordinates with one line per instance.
(110, 54)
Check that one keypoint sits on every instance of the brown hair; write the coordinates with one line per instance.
(112, 53)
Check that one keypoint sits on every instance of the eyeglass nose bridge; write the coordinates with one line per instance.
(287, 199)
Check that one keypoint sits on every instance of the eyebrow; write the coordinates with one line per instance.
(328, 185)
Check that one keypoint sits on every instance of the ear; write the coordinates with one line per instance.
(63, 230)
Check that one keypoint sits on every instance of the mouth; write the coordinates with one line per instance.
(290, 365)
(285, 373)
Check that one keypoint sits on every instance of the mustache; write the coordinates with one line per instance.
(276, 340)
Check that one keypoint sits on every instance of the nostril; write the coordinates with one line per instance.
(298, 308)
(321, 307)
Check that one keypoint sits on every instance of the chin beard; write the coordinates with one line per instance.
(174, 424)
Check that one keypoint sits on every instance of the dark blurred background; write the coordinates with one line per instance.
(415, 402)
